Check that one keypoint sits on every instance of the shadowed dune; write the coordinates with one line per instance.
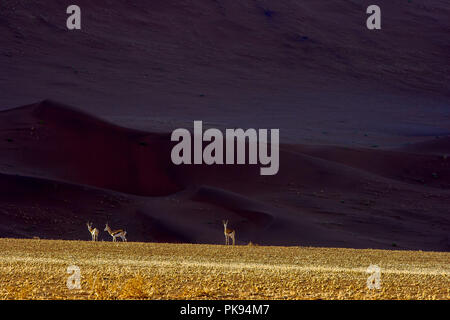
(53, 140)
(61, 167)
(346, 100)
(439, 146)
(422, 163)
(309, 67)
(249, 210)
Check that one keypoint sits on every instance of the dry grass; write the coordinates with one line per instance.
(36, 269)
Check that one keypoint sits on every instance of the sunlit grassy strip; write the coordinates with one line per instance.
(219, 265)
(31, 269)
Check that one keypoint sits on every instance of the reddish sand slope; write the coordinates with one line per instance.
(63, 143)
(363, 118)
(310, 68)
(61, 167)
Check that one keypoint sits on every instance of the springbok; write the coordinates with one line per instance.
(228, 233)
(116, 233)
(93, 231)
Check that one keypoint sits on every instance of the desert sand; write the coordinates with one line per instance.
(64, 167)
(363, 118)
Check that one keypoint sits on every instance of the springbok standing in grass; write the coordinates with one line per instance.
(93, 231)
(116, 233)
(228, 233)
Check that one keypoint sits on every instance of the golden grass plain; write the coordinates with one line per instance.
(37, 269)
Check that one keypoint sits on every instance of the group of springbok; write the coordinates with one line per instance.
(229, 233)
(113, 233)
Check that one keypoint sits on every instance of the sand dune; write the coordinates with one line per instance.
(439, 146)
(363, 118)
(412, 164)
(62, 167)
(56, 141)
(311, 68)
(244, 207)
